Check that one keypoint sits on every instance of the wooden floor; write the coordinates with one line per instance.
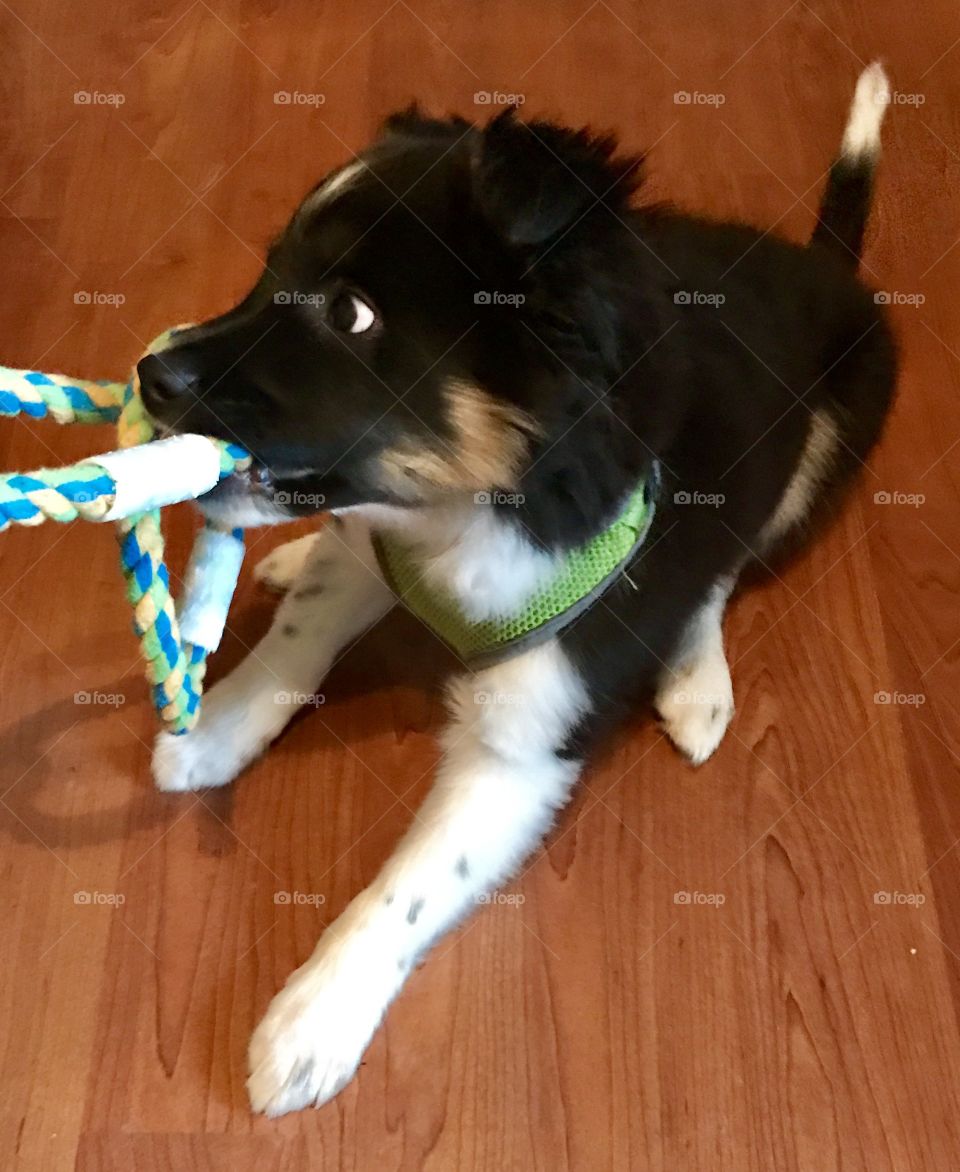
(753, 965)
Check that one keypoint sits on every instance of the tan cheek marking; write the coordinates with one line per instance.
(490, 441)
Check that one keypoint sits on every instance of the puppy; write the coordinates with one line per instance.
(476, 343)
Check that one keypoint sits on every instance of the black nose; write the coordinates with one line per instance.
(164, 380)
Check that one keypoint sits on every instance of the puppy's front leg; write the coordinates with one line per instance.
(337, 594)
(501, 779)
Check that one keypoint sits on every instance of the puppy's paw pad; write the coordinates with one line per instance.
(280, 569)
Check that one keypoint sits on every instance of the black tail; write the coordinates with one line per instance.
(846, 201)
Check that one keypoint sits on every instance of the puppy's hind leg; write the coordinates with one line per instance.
(695, 694)
(337, 595)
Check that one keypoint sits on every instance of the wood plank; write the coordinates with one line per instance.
(603, 1022)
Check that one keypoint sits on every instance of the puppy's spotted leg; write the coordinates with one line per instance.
(500, 782)
(695, 697)
(280, 569)
(337, 595)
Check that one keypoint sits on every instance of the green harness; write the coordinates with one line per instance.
(582, 577)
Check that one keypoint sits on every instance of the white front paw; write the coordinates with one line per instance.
(192, 761)
(309, 1044)
(696, 709)
(238, 719)
(280, 569)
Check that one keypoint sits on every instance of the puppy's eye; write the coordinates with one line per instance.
(351, 314)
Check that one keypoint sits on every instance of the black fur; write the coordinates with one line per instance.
(619, 351)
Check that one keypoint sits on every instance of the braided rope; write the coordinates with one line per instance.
(175, 669)
(68, 400)
(56, 494)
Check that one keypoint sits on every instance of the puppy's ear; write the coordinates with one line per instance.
(533, 180)
(411, 122)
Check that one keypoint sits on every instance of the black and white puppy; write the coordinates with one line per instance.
(473, 334)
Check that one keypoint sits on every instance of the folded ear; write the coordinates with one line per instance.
(531, 180)
(411, 122)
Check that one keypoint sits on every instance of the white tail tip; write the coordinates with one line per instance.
(870, 100)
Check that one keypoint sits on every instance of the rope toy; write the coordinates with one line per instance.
(130, 486)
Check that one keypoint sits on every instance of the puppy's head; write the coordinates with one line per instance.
(386, 353)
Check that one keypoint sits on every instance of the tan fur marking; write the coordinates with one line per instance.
(490, 441)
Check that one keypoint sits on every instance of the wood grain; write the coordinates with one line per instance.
(780, 1017)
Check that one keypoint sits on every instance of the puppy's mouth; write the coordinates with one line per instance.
(263, 495)
(266, 492)
(257, 479)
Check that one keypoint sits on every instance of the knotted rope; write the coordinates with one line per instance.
(174, 649)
